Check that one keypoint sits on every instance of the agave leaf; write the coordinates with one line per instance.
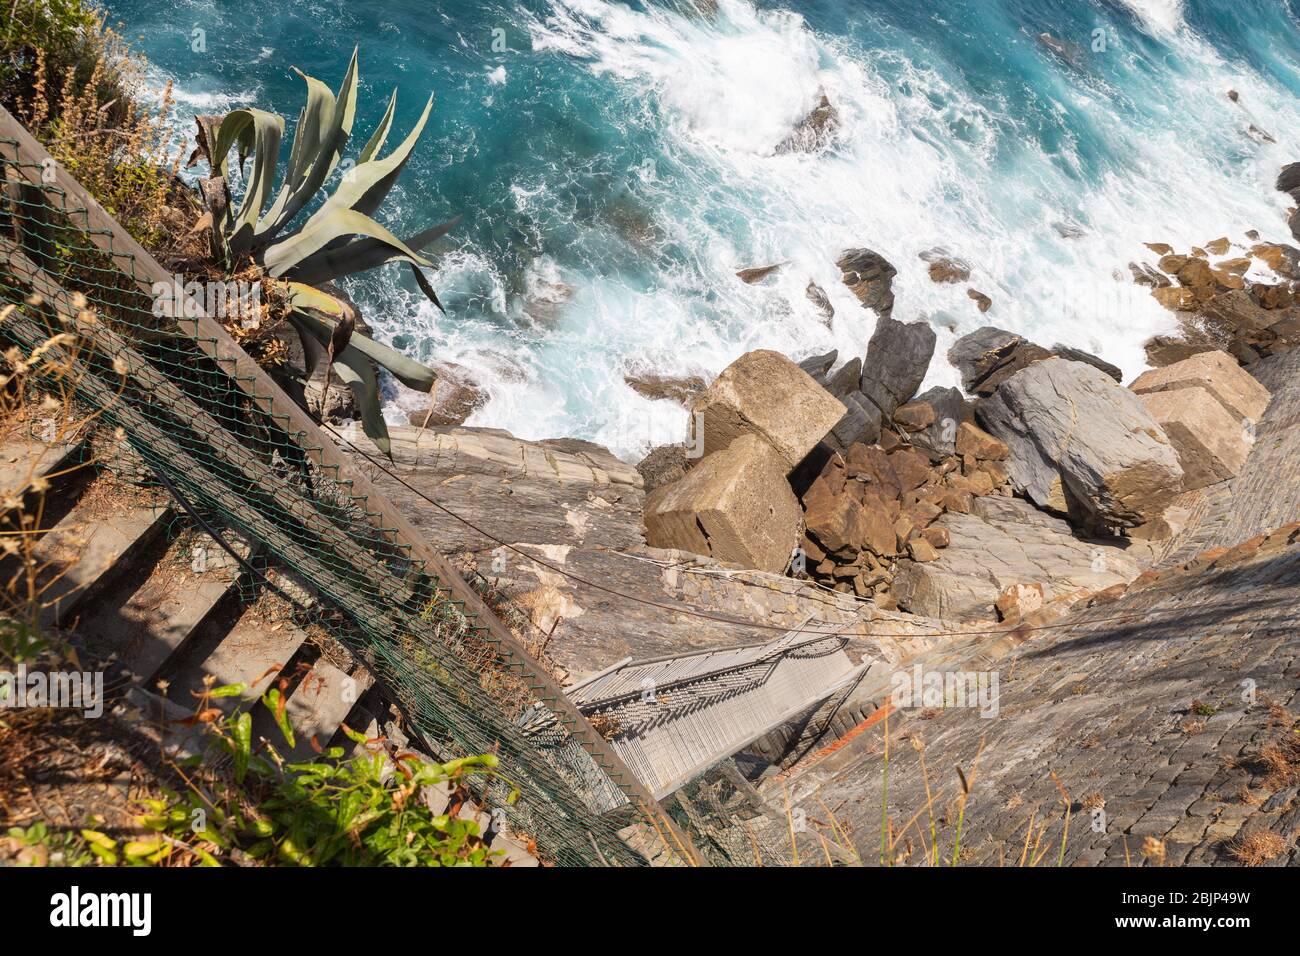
(356, 255)
(320, 329)
(355, 371)
(376, 141)
(329, 136)
(426, 288)
(268, 129)
(281, 258)
(366, 185)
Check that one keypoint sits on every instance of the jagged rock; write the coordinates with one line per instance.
(1211, 444)
(860, 423)
(455, 397)
(870, 277)
(1070, 421)
(1018, 600)
(757, 273)
(819, 365)
(765, 394)
(1216, 372)
(734, 506)
(898, 356)
(815, 131)
(1079, 355)
(675, 388)
(1003, 543)
(844, 380)
(989, 356)
(818, 297)
(1288, 180)
(914, 416)
(975, 441)
(835, 519)
(1236, 309)
(1144, 274)
(982, 352)
(870, 464)
(662, 466)
(912, 466)
(1281, 258)
(982, 302)
(950, 409)
(944, 267)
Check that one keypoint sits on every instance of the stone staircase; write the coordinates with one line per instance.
(141, 592)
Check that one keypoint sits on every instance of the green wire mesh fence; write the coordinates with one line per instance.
(221, 438)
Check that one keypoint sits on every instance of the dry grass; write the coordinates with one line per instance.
(1256, 847)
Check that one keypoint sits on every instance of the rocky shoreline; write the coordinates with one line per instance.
(834, 486)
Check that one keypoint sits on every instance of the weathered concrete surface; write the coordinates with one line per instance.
(1136, 708)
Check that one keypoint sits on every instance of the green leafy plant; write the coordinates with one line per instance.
(242, 802)
(338, 239)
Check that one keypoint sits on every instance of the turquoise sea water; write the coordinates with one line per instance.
(615, 164)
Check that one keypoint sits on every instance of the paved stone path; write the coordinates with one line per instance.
(1162, 722)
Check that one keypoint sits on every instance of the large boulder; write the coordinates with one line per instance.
(898, 356)
(1216, 372)
(1212, 445)
(764, 394)
(870, 277)
(989, 356)
(734, 506)
(1069, 423)
(1003, 544)
(860, 423)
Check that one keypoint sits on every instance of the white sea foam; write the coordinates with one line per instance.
(919, 163)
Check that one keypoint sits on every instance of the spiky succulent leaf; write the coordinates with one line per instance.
(328, 120)
(367, 184)
(359, 254)
(281, 258)
(355, 371)
(377, 138)
(316, 319)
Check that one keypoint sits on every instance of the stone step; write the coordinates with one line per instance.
(24, 459)
(192, 578)
(89, 547)
(321, 701)
(253, 653)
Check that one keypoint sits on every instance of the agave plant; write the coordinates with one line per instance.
(339, 239)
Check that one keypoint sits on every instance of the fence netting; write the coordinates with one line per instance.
(209, 439)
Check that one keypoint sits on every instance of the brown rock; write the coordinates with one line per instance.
(1218, 247)
(922, 550)
(870, 463)
(1175, 298)
(818, 297)
(757, 273)
(763, 393)
(945, 268)
(1159, 248)
(676, 388)
(455, 397)
(1211, 444)
(937, 535)
(735, 506)
(1216, 372)
(914, 416)
(1018, 600)
(982, 302)
(870, 277)
(912, 467)
(973, 440)
(836, 521)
